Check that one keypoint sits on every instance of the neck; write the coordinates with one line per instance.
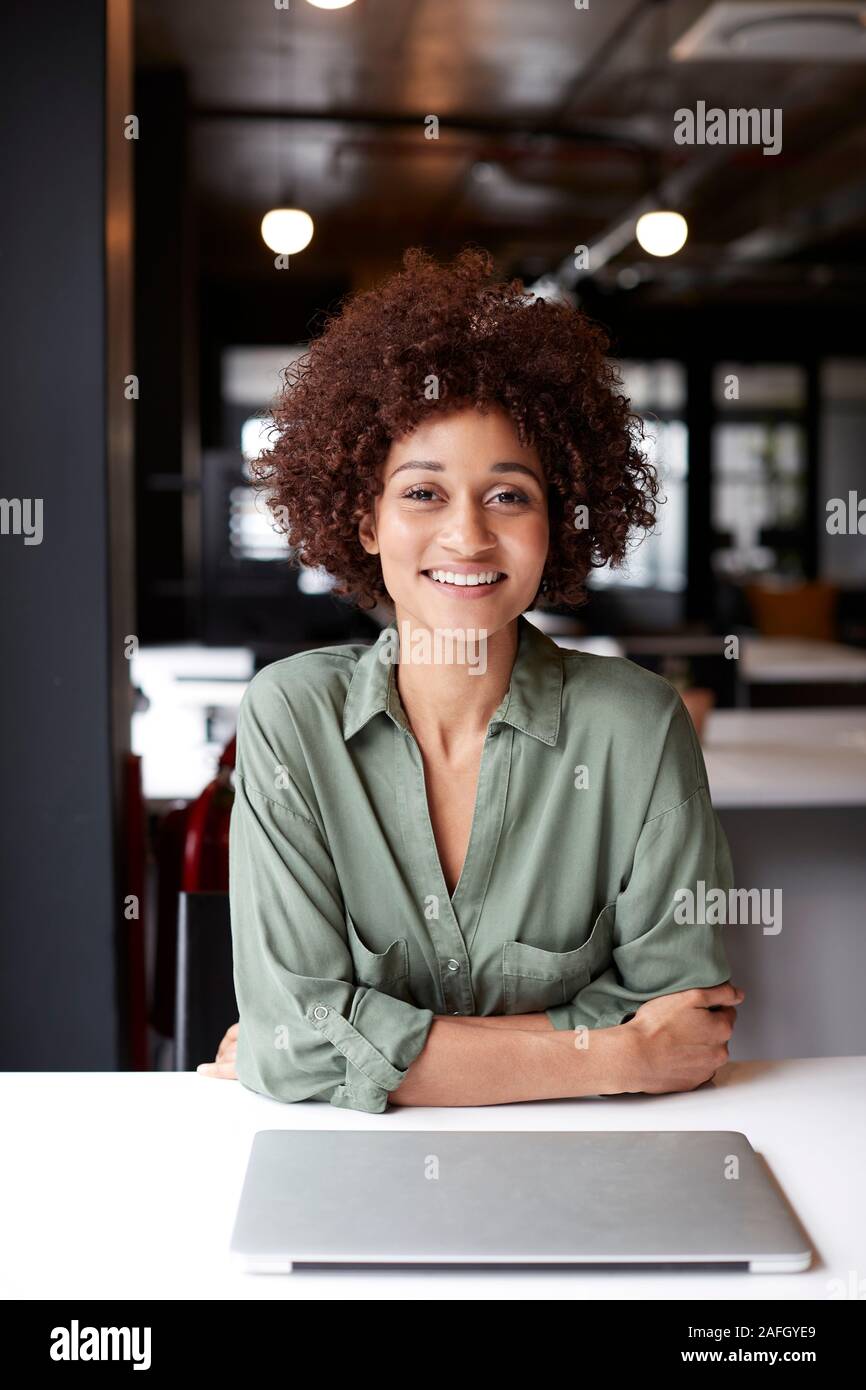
(450, 689)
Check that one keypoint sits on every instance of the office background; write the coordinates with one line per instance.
(146, 325)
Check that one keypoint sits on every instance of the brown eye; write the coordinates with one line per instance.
(419, 494)
(511, 496)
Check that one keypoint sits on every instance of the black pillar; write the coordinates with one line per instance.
(65, 437)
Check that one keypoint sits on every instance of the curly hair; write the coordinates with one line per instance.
(435, 338)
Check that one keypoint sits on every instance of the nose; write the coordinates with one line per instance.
(467, 530)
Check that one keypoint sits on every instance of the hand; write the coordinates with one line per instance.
(680, 1040)
(224, 1065)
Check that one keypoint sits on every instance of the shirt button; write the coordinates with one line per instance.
(320, 1011)
(453, 965)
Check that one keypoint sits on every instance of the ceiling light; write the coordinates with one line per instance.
(287, 230)
(628, 278)
(792, 31)
(330, 4)
(662, 233)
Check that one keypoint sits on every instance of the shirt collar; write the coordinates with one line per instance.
(531, 704)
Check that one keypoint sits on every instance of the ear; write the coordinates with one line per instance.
(367, 534)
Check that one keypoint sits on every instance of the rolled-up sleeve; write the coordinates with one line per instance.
(658, 944)
(307, 1030)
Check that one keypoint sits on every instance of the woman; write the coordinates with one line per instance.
(458, 857)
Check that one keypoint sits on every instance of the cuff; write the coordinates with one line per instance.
(380, 1040)
(572, 1016)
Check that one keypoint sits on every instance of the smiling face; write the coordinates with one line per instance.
(461, 528)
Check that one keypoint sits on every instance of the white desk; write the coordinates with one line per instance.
(786, 758)
(125, 1185)
(792, 660)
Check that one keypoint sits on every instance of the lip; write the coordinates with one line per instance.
(464, 592)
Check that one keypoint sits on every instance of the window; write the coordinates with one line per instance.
(657, 392)
(758, 494)
(251, 378)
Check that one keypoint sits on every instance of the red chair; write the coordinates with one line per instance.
(206, 841)
(192, 854)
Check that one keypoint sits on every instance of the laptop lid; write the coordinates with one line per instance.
(396, 1197)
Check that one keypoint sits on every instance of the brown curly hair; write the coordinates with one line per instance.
(366, 380)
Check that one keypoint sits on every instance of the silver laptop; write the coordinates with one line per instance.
(456, 1197)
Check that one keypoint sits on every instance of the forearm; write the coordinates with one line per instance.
(462, 1065)
(536, 1023)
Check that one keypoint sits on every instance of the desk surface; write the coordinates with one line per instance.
(799, 659)
(803, 757)
(125, 1185)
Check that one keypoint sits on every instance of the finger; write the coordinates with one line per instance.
(228, 1053)
(233, 1031)
(222, 1070)
(726, 993)
(720, 994)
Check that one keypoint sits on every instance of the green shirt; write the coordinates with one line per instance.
(592, 811)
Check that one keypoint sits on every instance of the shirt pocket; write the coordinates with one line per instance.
(387, 971)
(534, 979)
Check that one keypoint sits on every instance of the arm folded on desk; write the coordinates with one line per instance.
(651, 950)
(307, 1031)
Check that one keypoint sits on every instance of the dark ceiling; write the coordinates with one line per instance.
(555, 123)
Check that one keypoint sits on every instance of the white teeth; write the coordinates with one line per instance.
(449, 577)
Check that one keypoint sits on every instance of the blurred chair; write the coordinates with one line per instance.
(206, 843)
(795, 610)
(192, 855)
(205, 1003)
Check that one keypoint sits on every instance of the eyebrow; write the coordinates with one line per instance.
(434, 466)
